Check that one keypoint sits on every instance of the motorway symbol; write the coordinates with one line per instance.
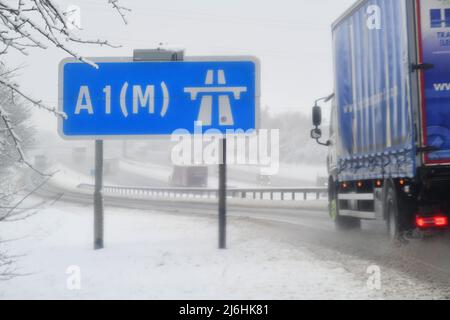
(225, 114)
(126, 99)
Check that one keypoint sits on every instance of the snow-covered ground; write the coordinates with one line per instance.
(152, 255)
(66, 177)
(304, 171)
(301, 172)
(162, 173)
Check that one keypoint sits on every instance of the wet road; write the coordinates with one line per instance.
(425, 261)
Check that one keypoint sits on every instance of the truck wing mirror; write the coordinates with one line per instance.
(317, 116)
(422, 66)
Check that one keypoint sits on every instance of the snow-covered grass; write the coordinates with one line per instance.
(307, 172)
(154, 171)
(156, 256)
(302, 173)
(162, 173)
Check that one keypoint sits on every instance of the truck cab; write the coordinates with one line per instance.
(332, 141)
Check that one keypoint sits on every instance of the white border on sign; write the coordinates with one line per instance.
(63, 62)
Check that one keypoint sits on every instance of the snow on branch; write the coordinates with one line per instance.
(9, 128)
(26, 24)
(37, 103)
(121, 10)
(15, 213)
(39, 23)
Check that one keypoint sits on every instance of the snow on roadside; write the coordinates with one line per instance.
(162, 173)
(67, 178)
(303, 171)
(154, 171)
(156, 256)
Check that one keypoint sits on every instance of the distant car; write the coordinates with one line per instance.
(264, 180)
(189, 176)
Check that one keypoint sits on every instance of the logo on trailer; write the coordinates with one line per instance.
(440, 18)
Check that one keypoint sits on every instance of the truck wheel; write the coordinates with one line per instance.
(340, 223)
(393, 225)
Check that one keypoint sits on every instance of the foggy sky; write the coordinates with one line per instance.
(292, 38)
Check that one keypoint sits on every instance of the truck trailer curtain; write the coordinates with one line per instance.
(372, 86)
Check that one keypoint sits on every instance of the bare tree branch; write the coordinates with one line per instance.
(119, 9)
(27, 24)
(11, 211)
(37, 103)
(38, 24)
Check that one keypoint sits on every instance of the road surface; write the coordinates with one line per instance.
(309, 226)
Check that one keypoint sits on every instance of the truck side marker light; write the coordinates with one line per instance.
(378, 183)
(360, 184)
(402, 182)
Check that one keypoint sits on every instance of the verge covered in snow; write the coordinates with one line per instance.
(150, 255)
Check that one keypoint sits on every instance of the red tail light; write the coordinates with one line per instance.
(441, 221)
(432, 221)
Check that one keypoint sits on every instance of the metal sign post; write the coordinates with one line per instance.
(98, 196)
(223, 195)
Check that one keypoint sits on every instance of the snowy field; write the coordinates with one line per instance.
(150, 255)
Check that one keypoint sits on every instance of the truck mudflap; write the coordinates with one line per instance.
(433, 19)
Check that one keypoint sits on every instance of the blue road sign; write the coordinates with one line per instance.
(125, 99)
